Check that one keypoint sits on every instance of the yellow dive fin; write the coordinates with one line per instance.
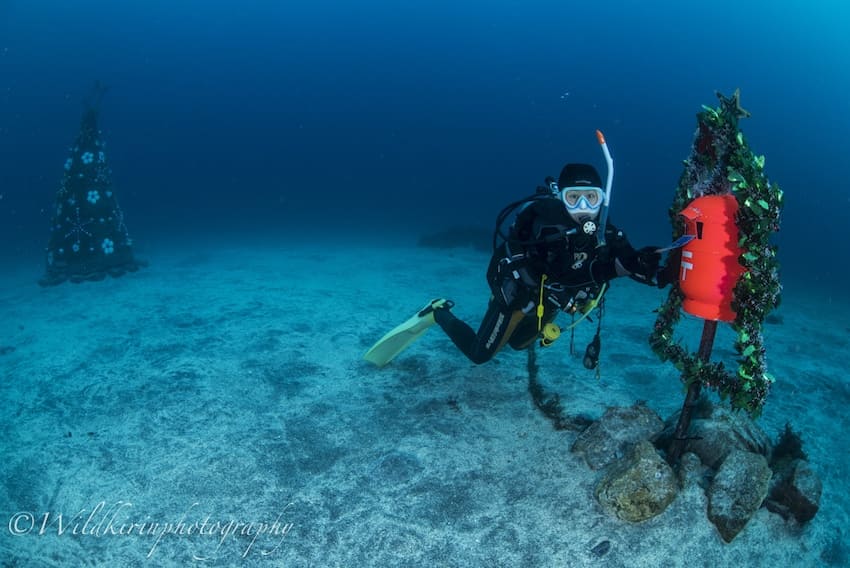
(398, 339)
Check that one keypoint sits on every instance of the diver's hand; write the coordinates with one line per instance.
(648, 260)
(669, 273)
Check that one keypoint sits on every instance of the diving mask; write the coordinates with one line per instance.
(582, 202)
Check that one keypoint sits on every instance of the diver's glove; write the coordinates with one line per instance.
(669, 273)
(648, 260)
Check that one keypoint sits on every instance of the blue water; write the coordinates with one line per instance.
(411, 117)
(328, 121)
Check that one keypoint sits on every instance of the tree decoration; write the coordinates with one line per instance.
(88, 236)
(721, 163)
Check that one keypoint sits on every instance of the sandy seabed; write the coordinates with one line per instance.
(215, 408)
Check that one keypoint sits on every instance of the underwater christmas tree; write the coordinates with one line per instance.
(88, 236)
(723, 170)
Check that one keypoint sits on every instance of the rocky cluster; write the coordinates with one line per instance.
(727, 455)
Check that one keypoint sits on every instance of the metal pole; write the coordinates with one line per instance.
(680, 436)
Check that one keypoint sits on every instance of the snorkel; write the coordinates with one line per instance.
(603, 215)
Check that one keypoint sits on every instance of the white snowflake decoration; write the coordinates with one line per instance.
(78, 228)
(120, 224)
(87, 157)
(93, 196)
(108, 246)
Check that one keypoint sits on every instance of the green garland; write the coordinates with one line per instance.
(722, 163)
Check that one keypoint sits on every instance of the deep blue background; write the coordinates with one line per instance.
(400, 117)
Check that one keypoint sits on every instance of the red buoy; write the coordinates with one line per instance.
(710, 267)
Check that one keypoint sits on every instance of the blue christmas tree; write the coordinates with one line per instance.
(88, 234)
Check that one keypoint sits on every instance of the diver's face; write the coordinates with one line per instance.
(582, 202)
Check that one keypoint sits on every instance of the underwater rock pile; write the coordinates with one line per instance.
(729, 457)
(88, 235)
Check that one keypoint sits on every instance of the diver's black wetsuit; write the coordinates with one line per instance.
(544, 240)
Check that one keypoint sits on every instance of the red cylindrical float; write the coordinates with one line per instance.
(710, 267)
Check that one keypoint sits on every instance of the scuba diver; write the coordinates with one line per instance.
(558, 255)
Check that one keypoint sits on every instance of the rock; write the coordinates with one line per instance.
(615, 433)
(795, 491)
(737, 492)
(713, 437)
(692, 472)
(638, 487)
(601, 549)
